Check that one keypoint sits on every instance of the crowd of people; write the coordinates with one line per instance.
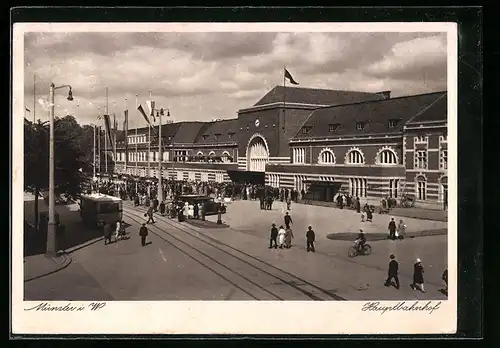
(145, 192)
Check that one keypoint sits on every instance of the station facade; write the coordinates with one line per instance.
(367, 144)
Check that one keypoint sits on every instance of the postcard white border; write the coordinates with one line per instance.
(207, 317)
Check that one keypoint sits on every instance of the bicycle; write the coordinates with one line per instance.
(354, 251)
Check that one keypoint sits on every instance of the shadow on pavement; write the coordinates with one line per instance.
(73, 233)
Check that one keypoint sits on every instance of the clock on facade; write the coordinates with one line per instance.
(257, 122)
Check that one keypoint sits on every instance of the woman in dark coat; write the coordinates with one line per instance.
(418, 276)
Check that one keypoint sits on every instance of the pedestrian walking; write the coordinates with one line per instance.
(281, 237)
(143, 232)
(392, 273)
(288, 238)
(418, 276)
(117, 230)
(107, 233)
(288, 220)
(400, 230)
(149, 214)
(392, 229)
(162, 208)
(289, 202)
(274, 237)
(445, 279)
(310, 237)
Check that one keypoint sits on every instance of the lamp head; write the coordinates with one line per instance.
(70, 94)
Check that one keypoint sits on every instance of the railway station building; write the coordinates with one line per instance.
(370, 145)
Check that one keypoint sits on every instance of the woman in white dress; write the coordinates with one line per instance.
(281, 236)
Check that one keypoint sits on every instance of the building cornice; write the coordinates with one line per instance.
(286, 105)
(347, 138)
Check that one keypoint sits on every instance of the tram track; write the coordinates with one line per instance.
(330, 255)
(258, 279)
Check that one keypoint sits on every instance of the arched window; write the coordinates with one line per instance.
(421, 187)
(326, 156)
(226, 157)
(387, 156)
(355, 157)
(211, 153)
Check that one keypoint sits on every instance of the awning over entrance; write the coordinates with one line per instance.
(323, 191)
(243, 176)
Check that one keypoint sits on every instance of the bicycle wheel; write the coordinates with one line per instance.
(352, 252)
(367, 249)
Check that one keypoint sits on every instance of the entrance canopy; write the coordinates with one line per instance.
(242, 176)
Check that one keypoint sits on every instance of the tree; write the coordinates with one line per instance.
(68, 157)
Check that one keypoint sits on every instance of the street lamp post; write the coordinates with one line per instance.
(51, 226)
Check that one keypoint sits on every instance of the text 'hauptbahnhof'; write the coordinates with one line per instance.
(366, 144)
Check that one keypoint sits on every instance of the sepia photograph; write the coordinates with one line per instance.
(235, 165)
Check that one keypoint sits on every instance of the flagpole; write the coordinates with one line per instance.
(99, 144)
(34, 97)
(136, 154)
(160, 155)
(106, 135)
(149, 138)
(125, 132)
(284, 97)
(114, 136)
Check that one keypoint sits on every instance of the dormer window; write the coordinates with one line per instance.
(393, 123)
(205, 136)
(360, 125)
(306, 129)
(333, 127)
(230, 135)
(217, 136)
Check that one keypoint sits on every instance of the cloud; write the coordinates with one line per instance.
(201, 76)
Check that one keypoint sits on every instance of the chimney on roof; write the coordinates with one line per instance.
(385, 94)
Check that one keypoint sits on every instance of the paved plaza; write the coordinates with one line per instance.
(185, 262)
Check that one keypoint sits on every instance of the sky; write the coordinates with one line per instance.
(202, 76)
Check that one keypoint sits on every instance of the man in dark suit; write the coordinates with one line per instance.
(392, 229)
(274, 236)
(392, 273)
(107, 233)
(150, 215)
(310, 236)
(288, 220)
(143, 232)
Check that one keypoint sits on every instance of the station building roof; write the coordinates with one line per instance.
(316, 96)
(371, 117)
(436, 112)
(217, 132)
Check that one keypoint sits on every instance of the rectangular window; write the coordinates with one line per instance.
(333, 127)
(393, 122)
(306, 130)
(421, 139)
(421, 159)
(299, 155)
(421, 190)
(360, 125)
(443, 161)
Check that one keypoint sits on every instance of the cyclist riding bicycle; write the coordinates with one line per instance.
(360, 241)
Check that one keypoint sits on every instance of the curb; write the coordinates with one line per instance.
(81, 246)
(383, 236)
(62, 261)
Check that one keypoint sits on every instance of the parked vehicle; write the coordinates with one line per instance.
(210, 205)
(97, 208)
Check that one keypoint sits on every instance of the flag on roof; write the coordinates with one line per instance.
(141, 110)
(290, 78)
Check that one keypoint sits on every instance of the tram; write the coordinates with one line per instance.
(96, 208)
